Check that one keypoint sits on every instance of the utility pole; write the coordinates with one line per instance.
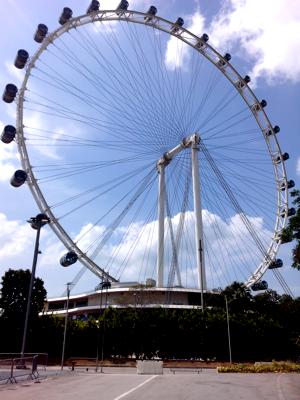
(36, 223)
(228, 330)
(66, 325)
(98, 326)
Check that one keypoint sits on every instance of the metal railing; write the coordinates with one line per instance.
(13, 368)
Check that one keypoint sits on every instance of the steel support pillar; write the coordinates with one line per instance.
(198, 215)
(161, 226)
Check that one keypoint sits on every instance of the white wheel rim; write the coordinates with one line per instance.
(229, 72)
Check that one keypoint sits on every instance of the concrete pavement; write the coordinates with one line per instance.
(124, 383)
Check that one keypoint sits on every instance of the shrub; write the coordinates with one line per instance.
(275, 366)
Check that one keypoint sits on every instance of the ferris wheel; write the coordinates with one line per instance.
(149, 151)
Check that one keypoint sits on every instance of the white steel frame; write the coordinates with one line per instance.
(215, 58)
(191, 142)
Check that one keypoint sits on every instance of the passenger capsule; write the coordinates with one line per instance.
(290, 185)
(278, 263)
(177, 25)
(223, 61)
(261, 285)
(287, 212)
(205, 37)
(8, 134)
(9, 93)
(21, 59)
(282, 157)
(40, 33)
(123, 5)
(263, 103)
(179, 22)
(201, 43)
(152, 10)
(151, 13)
(285, 156)
(65, 15)
(68, 259)
(18, 178)
(270, 132)
(242, 83)
(94, 6)
(259, 106)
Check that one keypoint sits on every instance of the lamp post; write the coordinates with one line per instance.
(103, 331)
(65, 328)
(228, 330)
(36, 223)
(98, 327)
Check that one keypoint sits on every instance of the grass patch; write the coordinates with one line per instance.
(275, 366)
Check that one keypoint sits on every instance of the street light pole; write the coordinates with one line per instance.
(228, 330)
(36, 223)
(98, 327)
(103, 333)
(66, 324)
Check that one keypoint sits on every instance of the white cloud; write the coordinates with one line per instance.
(266, 32)
(7, 167)
(109, 4)
(15, 237)
(137, 253)
(16, 252)
(21, 14)
(51, 253)
(8, 162)
(298, 166)
(87, 234)
(135, 257)
(133, 4)
(17, 74)
(34, 121)
(177, 52)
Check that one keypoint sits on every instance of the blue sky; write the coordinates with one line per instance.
(263, 42)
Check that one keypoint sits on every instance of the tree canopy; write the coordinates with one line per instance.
(14, 294)
(292, 231)
(264, 326)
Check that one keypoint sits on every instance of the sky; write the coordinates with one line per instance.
(263, 38)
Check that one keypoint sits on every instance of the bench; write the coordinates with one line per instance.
(187, 369)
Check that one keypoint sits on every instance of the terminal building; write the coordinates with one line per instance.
(122, 295)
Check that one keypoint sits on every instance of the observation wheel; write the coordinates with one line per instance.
(133, 132)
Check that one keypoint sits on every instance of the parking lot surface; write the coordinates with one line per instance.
(124, 383)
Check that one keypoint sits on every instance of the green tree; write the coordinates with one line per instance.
(239, 297)
(13, 303)
(14, 294)
(267, 302)
(292, 231)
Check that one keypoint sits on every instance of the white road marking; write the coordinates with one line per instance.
(279, 388)
(135, 388)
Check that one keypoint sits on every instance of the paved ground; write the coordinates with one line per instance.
(124, 383)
